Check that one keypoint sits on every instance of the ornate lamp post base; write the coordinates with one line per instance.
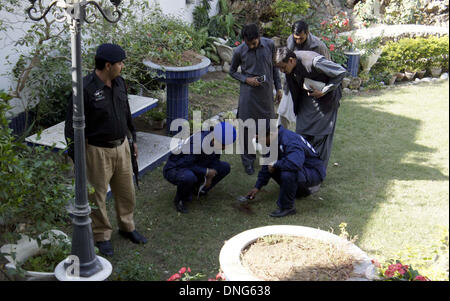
(62, 275)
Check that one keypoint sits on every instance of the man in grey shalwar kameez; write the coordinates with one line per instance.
(317, 109)
(302, 39)
(256, 100)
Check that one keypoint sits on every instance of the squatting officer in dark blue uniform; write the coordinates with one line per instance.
(297, 168)
(202, 170)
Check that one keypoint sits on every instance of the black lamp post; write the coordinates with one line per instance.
(83, 252)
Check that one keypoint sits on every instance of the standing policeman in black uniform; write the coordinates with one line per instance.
(108, 161)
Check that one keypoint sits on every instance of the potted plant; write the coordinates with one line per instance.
(392, 68)
(36, 259)
(435, 68)
(353, 55)
(156, 119)
(421, 68)
(409, 75)
(175, 60)
(238, 264)
(370, 52)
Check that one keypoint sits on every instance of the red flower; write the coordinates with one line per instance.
(189, 270)
(389, 273)
(174, 277)
(345, 22)
(169, 32)
(350, 39)
(323, 22)
(325, 39)
(376, 263)
(421, 278)
(220, 276)
(236, 43)
(332, 47)
(392, 267)
(182, 270)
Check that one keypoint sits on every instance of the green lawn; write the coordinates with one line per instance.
(387, 179)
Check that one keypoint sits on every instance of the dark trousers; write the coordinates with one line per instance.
(186, 180)
(293, 184)
(249, 153)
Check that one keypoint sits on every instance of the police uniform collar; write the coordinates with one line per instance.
(101, 84)
(98, 82)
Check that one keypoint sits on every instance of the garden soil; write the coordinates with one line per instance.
(291, 258)
(189, 57)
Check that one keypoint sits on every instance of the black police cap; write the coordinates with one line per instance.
(110, 52)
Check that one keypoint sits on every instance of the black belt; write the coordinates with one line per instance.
(108, 144)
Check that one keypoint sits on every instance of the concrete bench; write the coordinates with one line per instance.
(153, 149)
(54, 136)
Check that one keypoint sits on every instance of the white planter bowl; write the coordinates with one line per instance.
(27, 247)
(230, 254)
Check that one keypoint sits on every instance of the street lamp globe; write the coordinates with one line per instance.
(116, 2)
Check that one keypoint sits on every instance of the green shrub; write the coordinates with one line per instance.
(148, 33)
(286, 13)
(201, 15)
(414, 54)
(156, 115)
(33, 187)
(51, 83)
(225, 24)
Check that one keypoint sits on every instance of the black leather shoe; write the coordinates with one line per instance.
(105, 248)
(314, 189)
(249, 170)
(181, 207)
(303, 192)
(134, 236)
(283, 212)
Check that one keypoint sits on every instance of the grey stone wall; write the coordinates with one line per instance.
(435, 12)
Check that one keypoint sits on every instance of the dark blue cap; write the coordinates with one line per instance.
(111, 53)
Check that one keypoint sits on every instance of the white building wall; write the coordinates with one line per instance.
(8, 51)
(183, 8)
(180, 8)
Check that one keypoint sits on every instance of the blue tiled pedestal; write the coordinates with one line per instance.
(177, 80)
